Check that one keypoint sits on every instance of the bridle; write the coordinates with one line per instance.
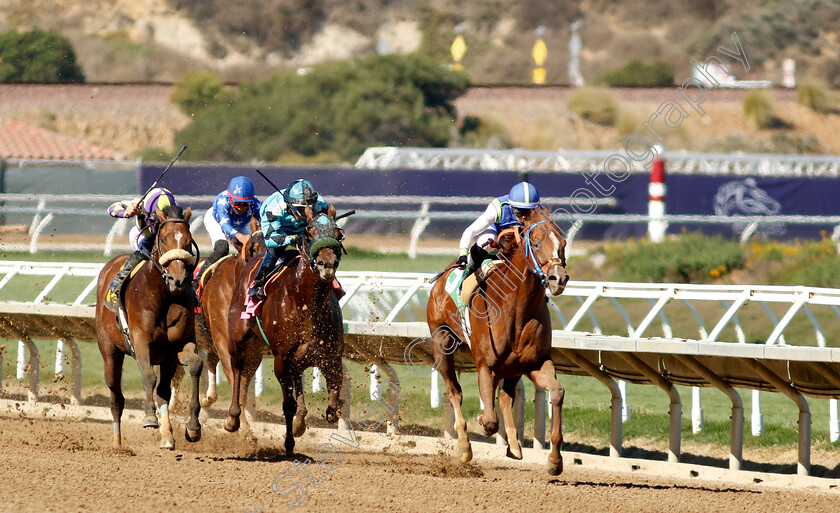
(530, 256)
(190, 258)
(326, 241)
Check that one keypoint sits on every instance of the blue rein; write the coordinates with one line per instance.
(530, 256)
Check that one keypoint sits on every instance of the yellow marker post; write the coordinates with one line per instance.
(539, 53)
(458, 49)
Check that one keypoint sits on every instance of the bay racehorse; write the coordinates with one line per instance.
(301, 322)
(217, 289)
(510, 331)
(159, 307)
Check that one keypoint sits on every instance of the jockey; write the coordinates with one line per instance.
(503, 212)
(141, 237)
(283, 221)
(230, 217)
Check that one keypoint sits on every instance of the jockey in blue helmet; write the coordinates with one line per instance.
(503, 212)
(229, 220)
(283, 221)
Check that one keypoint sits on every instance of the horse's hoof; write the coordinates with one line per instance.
(331, 415)
(192, 436)
(150, 421)
(232, 424)
(204, 401)
(290, 445)
(515, 454)
(298, 427)
(168, 443)
(554, 469)
(466, 456)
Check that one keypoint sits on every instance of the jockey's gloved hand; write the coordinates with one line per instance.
(294, 240)
(462, 261)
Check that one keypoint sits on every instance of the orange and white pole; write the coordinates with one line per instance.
(657, 226)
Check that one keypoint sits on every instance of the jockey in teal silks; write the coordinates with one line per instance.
(229, 220)
(503, 212)
(283, 221)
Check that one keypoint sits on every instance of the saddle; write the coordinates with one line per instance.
(205, 275)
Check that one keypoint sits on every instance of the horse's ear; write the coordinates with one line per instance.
(160, 215)
(255, 224)
(331, 212)
(187, 214)
(310, 215)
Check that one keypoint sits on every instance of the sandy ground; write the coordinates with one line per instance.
(51, 463)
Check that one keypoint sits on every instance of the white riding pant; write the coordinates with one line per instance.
(214, 228)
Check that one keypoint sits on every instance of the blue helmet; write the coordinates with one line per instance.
(240, 189)
(301, 193)
(524, 195)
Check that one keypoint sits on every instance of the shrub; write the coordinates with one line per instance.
(594, 104)
(758, 108)
(476, 132)
(196, 91)
(690, 259)
(814, 95)
(37, 56)
(637, 73)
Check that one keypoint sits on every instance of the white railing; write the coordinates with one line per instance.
(578, 161)
(381, 309)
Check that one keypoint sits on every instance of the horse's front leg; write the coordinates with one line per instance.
(194, 363)
(506, 396)
(147, 374)
(545, 378)
(487, 383)
(333, 372)
(163, 393)
(299, 425)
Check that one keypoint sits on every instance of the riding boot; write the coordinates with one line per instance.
(116, 284)
(220, 249)
(477, 256)
(257, 293)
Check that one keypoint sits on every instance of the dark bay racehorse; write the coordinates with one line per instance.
(216, 292)
(160, 312)
(510, 332)
(300, 320)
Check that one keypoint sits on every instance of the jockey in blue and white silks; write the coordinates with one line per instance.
(283, 221)
(503, 212)
(229, 220)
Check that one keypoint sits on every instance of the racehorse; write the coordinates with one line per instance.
(159, 307)
(300, 320)
(212, 323)
(510, 331)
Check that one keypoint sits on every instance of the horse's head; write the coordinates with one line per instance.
(323, 243)
(175, 253)
(545, 248)
(255, 244)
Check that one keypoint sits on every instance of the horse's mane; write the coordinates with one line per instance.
(174, 211)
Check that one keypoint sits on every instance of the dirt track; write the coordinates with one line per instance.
(69, 465)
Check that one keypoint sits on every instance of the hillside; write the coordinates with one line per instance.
(158, 40)
(132, 118)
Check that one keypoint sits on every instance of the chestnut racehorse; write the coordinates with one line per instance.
(160, 312)
(301, 322)
(212, 323)
(510, 331)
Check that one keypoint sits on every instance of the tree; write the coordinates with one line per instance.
(37, 56)
(340, 108)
